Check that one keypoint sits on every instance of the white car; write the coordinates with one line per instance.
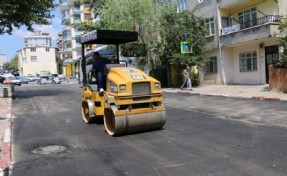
(48, 80)
(31, 78)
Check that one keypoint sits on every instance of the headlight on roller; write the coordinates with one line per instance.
(156, 86)
(122, 88)
(114, 87)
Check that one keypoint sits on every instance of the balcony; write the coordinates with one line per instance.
(65, 19)
(78, 46)
(66, 28)
(66, 38)
(250, 30)
(64, 6)
(227, 4)
(76, 10)
(77, 21)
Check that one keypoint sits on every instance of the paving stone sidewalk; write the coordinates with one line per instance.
(259, 92)
(5, 134)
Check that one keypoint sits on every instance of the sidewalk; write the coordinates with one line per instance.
(5, 134)
(258, 92)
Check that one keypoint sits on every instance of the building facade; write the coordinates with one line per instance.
(38, 56)
(73, 13)
(3, 59)
(242, 38)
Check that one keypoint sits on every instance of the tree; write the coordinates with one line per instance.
(133, 15)
(59, 65)
(282, 62)
(15, 13)
(160, 28)
(12, 64)
(177, 28)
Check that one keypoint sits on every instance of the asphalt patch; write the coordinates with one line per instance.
(49, 149)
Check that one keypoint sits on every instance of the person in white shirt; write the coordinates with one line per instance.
(187, 79)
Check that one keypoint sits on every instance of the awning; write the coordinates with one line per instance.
(68, 61)
(109, 37)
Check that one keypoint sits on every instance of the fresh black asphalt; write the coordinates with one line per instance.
(210, 136)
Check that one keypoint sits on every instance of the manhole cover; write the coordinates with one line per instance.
(50, 149)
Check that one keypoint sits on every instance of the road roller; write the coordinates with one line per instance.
(131, 101)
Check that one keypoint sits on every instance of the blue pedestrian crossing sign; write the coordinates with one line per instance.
(185, 47)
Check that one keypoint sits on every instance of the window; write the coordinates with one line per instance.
(181, 5)
(24, 60)
(247, 18)
(211, 65)
(77, 5)
(33, 49)
(78, 39)
(209, 23)
(33, 58)
(87, 16)
(87, 4)
(47, 49)
(77, 16)
(248, 61)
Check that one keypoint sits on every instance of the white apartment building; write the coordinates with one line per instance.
(242, 38)
(3, 59)
(38, 56)
(72, 13)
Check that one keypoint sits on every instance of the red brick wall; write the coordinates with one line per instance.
(278, 79)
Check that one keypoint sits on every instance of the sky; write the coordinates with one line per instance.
(10, 44)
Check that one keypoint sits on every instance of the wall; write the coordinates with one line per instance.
(282, 6)
(3, 59)
(212, 78)
(278, 79)
(228, 64)
(249, 77)
(46, 61)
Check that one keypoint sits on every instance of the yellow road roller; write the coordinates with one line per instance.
(131, 100)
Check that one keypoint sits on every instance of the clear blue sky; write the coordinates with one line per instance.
(10, 44)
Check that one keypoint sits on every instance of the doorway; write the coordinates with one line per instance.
(271, 55)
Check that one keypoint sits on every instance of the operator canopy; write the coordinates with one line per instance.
(109, 37)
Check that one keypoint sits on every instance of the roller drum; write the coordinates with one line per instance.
(132, 123)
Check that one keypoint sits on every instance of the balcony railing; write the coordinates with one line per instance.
(247, 24)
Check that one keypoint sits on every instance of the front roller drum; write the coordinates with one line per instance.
(132, 123)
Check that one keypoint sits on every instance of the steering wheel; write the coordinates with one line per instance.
(92, 77)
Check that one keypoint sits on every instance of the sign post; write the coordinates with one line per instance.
(185, 48)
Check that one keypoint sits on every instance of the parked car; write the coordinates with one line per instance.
(13, 80)
(23, 79)
(32, 77)
(48, 80)
(55, 75)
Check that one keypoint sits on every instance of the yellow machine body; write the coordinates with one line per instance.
(131, 103)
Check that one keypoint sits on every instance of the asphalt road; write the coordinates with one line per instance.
(203, 136)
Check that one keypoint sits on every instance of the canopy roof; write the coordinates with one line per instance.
(109, 37)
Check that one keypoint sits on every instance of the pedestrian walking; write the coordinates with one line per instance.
(187, 79)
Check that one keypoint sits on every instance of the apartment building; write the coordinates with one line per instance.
(38, 56)
(3, 59)
(242, 38)
(73, 12)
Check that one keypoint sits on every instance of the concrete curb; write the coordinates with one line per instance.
(227, 96)
(6, 145)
